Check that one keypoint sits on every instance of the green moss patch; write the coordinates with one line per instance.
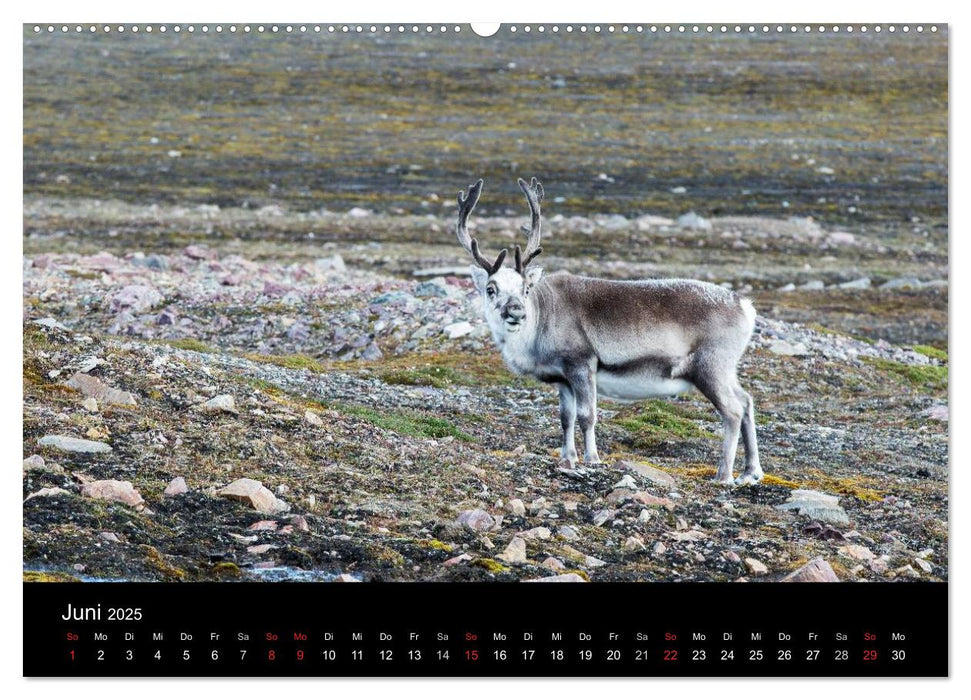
(932, 377)
(932, 352)
(657, 421)
(288, 361)
(412, 424)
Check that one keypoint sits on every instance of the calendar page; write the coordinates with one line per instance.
(494, 350)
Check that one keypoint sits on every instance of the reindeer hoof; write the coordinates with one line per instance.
(724, 481)
(749, 478)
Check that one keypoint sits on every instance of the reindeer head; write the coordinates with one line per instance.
(504, 291)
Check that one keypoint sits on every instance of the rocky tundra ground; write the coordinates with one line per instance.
(228, 393)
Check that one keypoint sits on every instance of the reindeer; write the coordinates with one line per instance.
(626, 340)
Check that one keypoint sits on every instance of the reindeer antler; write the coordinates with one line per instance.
(467, 202)
(534, 195)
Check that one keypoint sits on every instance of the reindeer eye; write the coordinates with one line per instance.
(491, 291)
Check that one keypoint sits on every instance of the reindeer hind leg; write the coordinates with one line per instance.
(721, 392)
(753, 468)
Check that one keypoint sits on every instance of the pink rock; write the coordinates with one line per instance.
(458, 560)
(559, 578)
(94, 388)
(138, 298)
(260, 548)
(300, 523)
(345, 578)
(113, 490)
(197, 252)
(103, 262)
(255, 495)
(263, 525)
(938, 412)
(477, 520)
(816, 571)
(649, 499)
(176, 486)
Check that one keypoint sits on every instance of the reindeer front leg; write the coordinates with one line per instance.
(583, 382)
(568, 419)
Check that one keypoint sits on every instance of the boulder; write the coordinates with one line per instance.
(255, 495)
(94, 388)
(817, 570)
(66, 443)
(559, 578)
(477, 520)
(113, 490)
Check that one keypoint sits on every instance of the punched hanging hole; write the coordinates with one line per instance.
(485, 29)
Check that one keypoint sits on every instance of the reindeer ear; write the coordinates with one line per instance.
(532, 275)
(479, 277)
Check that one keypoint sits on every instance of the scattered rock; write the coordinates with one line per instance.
(94, 388)
(34, 462)
(113, 490)
(634, 544)
(601, 516)
(458, 330)
(260, 548)
(924, 565)
(784, 347)
(264, 526)
(300, 523)
(817, 570)
(176, 487)
(731, 556)
(559, 578)
(692, 220)
(331, 263)
(47, 493)
(516, 507)
(649, 499)
(515, 552)
(345, 578)
(553, 563)
(651, 473)
(137, 298)
(861, 283)
(755, 567)
(460, 559)
(477, 520)
(816, 505)
(51, 323)
(568, 532)
(197, 252)
(537, 533)
(460, 271)
(938, 412)
(66, 443)
(592, 562)
(313, 419)
(856, 551)
(627, 482)
(224, 403)
(823, 531)
(90, 405)
(255, 495)
(838, 238)
(902, 283)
